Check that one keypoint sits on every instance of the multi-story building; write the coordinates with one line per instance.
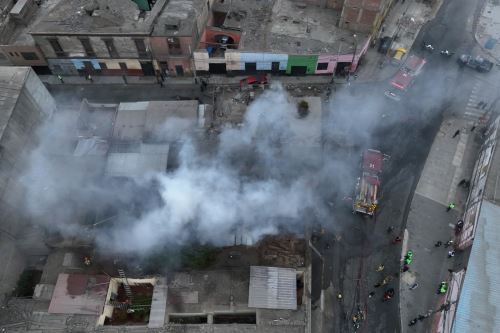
(277, 36)
(98, 37)
(364, 15)
(25, 104)
(176, 34)
(17, 47)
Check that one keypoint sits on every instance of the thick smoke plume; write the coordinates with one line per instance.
(261, 178)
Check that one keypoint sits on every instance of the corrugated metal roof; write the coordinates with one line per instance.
(478, 305)
(272, 288)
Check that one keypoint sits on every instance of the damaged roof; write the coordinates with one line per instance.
(95, 17)
(178, 18)
(289, 27)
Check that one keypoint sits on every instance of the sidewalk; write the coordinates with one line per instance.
(488, 29)
(211, 80)
(450, 160)
(404, 21)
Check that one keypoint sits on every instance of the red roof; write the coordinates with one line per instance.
(372, 160)
(414, 64)
(401, 80)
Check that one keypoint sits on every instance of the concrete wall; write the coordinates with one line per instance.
(34, 105)
(161, 50)
(263, 60)
(308, 61)
(125, 46)
(363, 15)
(14, 54)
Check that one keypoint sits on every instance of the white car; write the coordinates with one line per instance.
(392, 95)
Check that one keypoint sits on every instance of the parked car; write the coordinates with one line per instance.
(478, 63)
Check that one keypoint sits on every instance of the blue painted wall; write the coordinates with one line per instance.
(263, 60)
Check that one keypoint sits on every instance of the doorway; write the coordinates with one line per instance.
(179, 70)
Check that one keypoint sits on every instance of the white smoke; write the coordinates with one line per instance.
(260, 180)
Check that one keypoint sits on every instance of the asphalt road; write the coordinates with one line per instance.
(405, 131)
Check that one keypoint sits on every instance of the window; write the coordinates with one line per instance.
(141, 48)
(57, 47)
(89, 51)
(111, 48)
(322, 66)
(171, 27)
(103, 65)
(123, 66)
(30, 56)
(174, 45)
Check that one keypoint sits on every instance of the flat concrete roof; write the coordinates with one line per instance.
(151, 158)
(225, 291)
(97, 17)
(79, 294)
(180, 13)
(289, 27)
(147, 120)
(21, 33)
(11, 83)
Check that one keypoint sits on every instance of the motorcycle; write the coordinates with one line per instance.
(427, 47)
(446, 53)
(388, 295)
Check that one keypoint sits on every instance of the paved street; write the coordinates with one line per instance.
(407, 133)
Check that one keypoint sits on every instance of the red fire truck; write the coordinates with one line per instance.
(405, 77)
(367, 188)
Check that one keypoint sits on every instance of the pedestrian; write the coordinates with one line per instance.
(405, 268)
(451, 253)
(414, 286)
(60, 78)
(448, 243)
(377, 285)
(396, 240)
(480, 104)
(473, 127)
(380, 268)
(412, 322)
(161, 83)
(390, 229)
(421, 317)
(456, 133)
(438, 244)
(339, 296)
(484, 106)
(89, 77)
(450, 206)
(462, 182)
(371, 294)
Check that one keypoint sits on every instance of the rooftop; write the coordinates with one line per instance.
(150, 158)
(11, 82)
(79, 294)
(21, 33)
(289, 27)
(95, 17)
(155, 120)
(178, 18)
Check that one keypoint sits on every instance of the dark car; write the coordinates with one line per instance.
(385, 44)
(478, 63)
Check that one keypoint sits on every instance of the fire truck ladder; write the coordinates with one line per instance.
(126, 286)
